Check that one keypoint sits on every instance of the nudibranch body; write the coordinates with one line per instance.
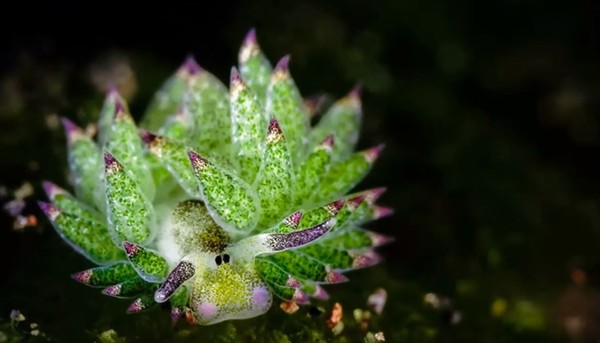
(222, 199)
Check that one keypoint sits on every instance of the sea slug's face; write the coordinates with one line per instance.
(226, 289)
(225, 284)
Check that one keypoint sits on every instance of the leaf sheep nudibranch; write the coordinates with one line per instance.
(220, 198)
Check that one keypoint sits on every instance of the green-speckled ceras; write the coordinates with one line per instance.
(221, 197)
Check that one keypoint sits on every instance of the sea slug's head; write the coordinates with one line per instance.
(220, 275)
(224, 289)
(219, 268)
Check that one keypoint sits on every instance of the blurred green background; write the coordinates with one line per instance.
(489, 112)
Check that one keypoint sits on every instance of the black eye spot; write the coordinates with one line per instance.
(226, 258)
(218, 260)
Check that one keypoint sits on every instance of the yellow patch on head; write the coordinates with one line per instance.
(228, 291)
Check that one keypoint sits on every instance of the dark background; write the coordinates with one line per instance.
(489, 112)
